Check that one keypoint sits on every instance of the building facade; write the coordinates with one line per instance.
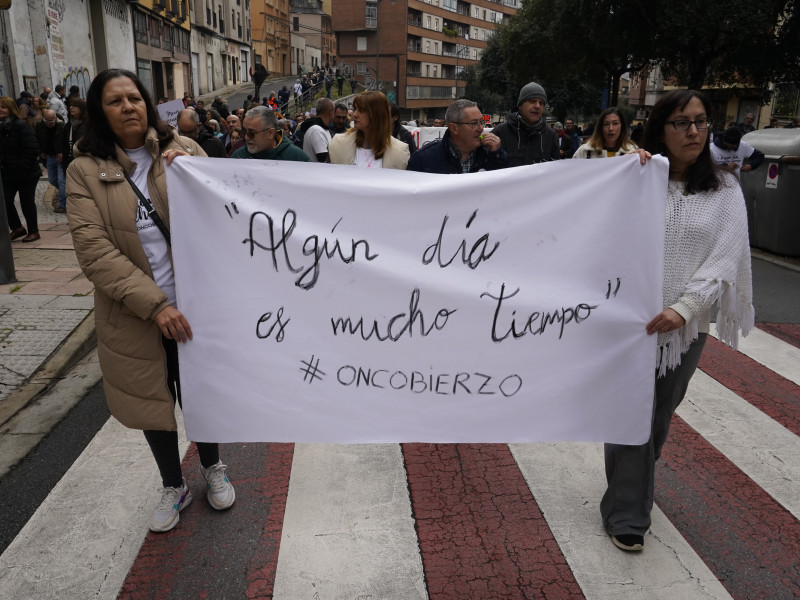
(220, 44)
(272, 43)
(415, 51)
(45, 43)
(315, 26)
(162, 37)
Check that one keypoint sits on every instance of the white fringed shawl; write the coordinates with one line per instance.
(706, 260)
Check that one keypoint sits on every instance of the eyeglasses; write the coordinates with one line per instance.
(251, 133)
(685, 124)
(473, 124)
(49, 122)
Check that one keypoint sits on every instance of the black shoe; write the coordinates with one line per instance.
(629, 542)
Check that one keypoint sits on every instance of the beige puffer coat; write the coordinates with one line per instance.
(102, 208)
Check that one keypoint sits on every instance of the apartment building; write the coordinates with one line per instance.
(220, 43)
(415, 51)
(271, 35)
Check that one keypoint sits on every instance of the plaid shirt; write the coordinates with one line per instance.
(466, 164)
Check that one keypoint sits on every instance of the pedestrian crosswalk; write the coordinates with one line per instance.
(463, 521)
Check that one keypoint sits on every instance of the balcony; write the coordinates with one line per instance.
(371, 22)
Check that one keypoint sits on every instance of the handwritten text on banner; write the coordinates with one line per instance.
(337, 304)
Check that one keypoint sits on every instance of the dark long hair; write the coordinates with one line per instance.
(98, 139)
(597, 141)
(702, 174)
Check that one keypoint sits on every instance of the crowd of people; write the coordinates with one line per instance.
(37, 131)
(119, 149)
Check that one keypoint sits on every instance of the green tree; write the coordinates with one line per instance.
(739, 43)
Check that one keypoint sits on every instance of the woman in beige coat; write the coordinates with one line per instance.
(369, 143)
(123, 248)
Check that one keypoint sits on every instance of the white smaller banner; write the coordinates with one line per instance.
(169, 111)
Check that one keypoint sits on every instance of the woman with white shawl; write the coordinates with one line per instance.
(706, 261)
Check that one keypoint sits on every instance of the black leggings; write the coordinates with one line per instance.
(27, 200)
(164, 444)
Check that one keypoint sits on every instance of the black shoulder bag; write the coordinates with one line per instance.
(151, 211)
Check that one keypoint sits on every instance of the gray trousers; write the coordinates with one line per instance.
(630, 470)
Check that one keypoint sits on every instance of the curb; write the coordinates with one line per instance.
(78, 344)
(786, 263)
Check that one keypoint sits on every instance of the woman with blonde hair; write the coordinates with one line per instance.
(610, 137)
(369, 142)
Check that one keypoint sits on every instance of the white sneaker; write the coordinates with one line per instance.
(167, 513)
(220, 492)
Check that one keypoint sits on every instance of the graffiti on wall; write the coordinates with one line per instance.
(78, 76)
(117, 9)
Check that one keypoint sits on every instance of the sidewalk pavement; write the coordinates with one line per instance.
(47, 327)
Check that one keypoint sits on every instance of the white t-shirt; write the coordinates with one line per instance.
(366, 158)
(316, 141)
(153, 242)
(722, 156)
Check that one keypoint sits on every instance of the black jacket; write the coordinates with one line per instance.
(527, 144)
(434, 157)
(404, 135)
(19, 152)
(42, 132)
(211, 144)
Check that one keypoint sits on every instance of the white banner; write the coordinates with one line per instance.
(336, 304)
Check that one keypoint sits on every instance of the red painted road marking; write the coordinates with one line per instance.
(749, 541)
(481, 533)
(227, 554)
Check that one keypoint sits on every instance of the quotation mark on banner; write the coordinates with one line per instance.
(311, 370)
(616, 289)
(233, 205)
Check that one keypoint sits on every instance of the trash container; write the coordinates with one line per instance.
(772, 192)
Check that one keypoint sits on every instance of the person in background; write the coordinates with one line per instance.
(773, 124)
(747, 125)
(19, 166)
(50, 135)
(314, 132)
(525, 135)
(265, 140)
(340, 124)
(464, 147)
(123, 248)
(369, 143)
(399, 132)
(734, 155)
(706, 259)
(610, 137)
(73, 131)
(259, 74)
(189, 125)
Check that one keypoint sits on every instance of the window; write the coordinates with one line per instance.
(477, 12)
(140, 26)
(474, 54)
(155, 32)
(427, 70)
(295, 23)
(361, 68)
(427, 47)
(436, 24)
(475, 33)
(371, 15)
(435, 71)
(361, 44)
(436, 47)
(428, 22)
